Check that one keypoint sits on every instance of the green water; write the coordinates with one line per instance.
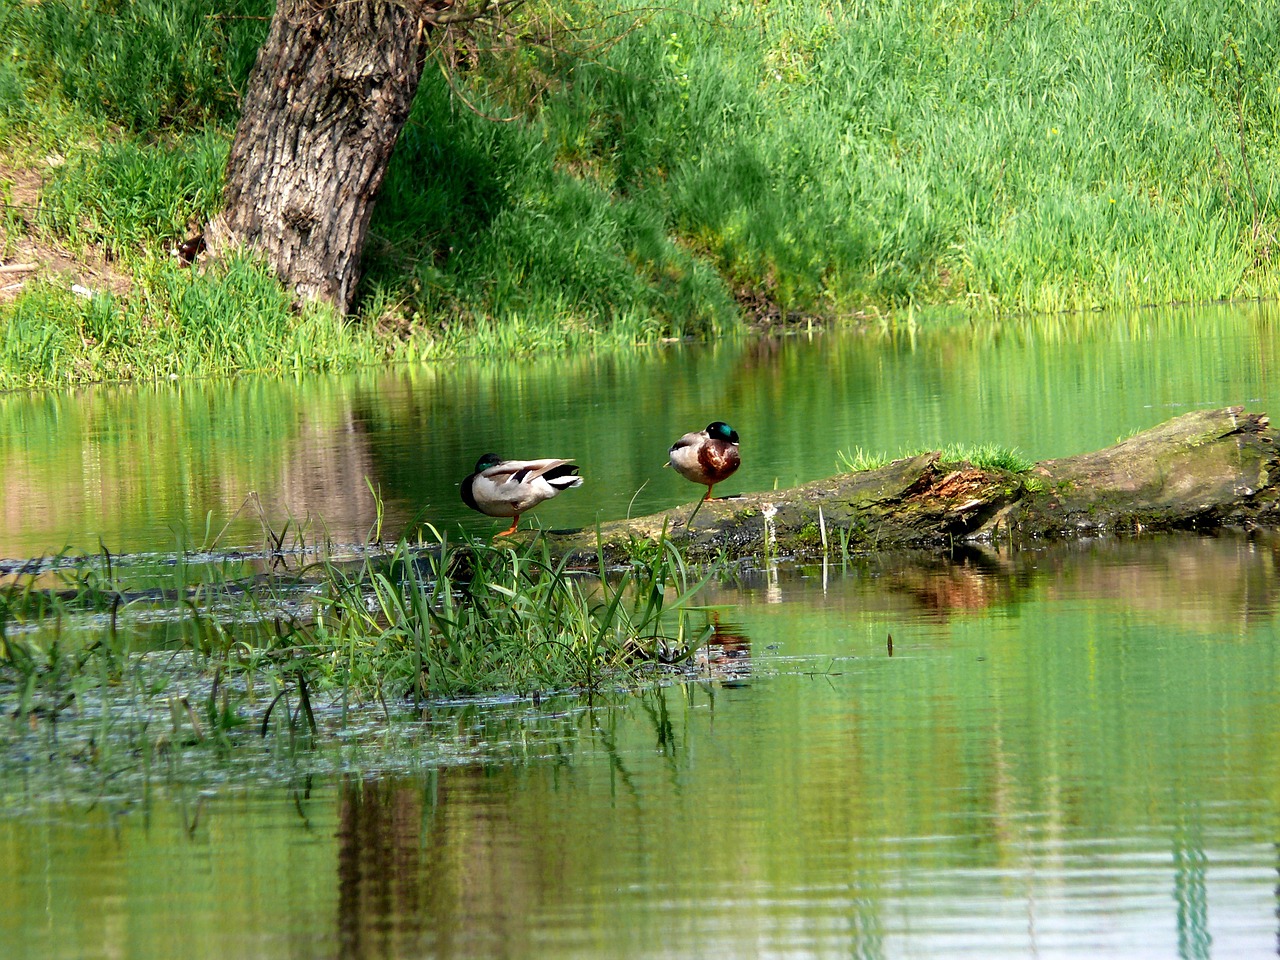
(135, 466)
(1071, 751)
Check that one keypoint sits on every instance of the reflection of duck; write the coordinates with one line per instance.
(727, 653)
(508, 488)
(708, 456)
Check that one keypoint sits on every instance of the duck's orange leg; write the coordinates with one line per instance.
(512, 529)
(710, 487)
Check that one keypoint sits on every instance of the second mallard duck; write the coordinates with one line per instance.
(707, 456)
(508, 488)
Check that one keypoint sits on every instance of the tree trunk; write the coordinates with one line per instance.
(1196, 472)
(325, 103)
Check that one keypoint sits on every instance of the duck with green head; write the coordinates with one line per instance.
(508, 488)
(706, 456)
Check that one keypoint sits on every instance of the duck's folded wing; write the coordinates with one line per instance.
(688, 440)
(522, 471)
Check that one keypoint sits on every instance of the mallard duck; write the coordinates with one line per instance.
(708, 456)
(508, 488)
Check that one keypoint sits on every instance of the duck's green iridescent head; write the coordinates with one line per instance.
(487, 461)
(722, 431)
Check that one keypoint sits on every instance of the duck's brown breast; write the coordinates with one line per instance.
(718, 460)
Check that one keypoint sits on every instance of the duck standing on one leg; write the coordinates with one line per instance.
(708, 456)
(508, 488)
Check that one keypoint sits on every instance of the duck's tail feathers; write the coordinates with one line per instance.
(563, 477)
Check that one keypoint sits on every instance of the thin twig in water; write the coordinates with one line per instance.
(633, 498)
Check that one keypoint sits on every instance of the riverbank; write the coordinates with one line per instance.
(664, 174)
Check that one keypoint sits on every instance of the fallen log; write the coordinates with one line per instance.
(1199, 471)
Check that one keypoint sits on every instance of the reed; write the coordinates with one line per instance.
(219, 643)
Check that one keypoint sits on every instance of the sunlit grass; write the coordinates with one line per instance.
(438, 619)
(860, 460)
(136, 201)
(985, 456)
(822, 161)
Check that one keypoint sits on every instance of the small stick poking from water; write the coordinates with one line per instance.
(769, 511)
(633, 499)
(891, 644)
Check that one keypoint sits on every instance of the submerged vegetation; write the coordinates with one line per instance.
(666, 172)
(195, 647)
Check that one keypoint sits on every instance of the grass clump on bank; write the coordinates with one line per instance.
(984, 456)
(234, 318)
(667, 171)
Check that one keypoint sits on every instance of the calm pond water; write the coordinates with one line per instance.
(1061, 752)
(137, 468)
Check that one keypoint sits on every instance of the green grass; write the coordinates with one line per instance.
(985, 456)
(136, 201)
(219, 647)
(145, 65)
(824, 159)
(178, 323)
(860, 460)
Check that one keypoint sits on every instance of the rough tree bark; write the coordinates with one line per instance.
(325, 102)
(1197, 472)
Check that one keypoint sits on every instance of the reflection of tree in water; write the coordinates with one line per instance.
(971, 580)
(324, 477)
(430, 866)
(453, 862)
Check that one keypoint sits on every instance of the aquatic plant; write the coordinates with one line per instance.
(222, 640)
(860, 459)
(475, 617)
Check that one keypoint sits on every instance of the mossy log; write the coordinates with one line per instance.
(1199, 471)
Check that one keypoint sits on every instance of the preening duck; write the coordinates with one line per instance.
(508, 488)
(707, 456)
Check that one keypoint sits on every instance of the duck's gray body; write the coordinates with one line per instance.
(508, 488)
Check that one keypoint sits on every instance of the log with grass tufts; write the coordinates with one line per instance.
(1203, 470)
